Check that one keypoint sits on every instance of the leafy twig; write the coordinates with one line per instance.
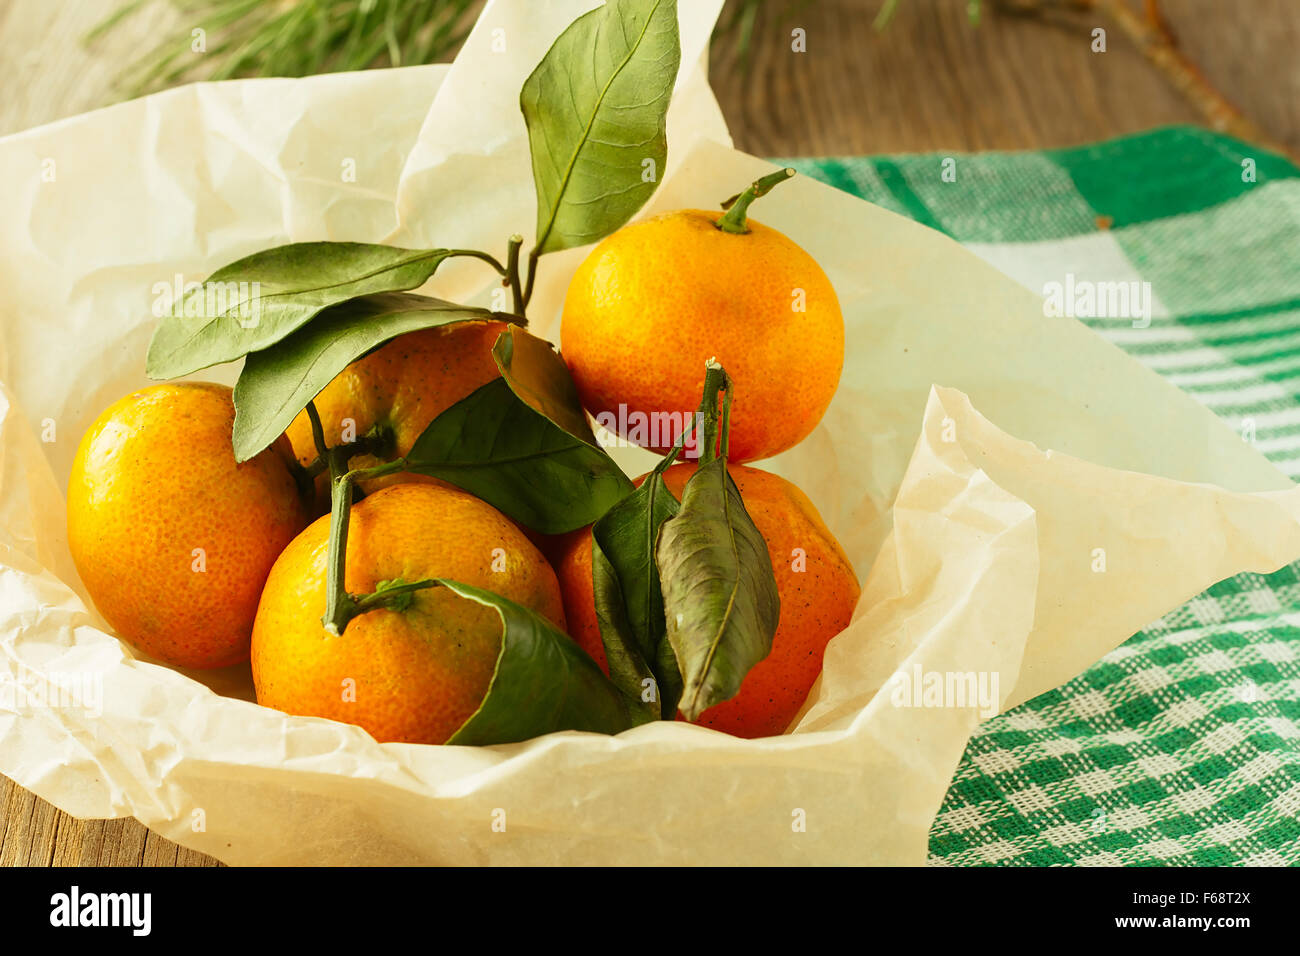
(1150, 32)
(290, 38)
(1151, 35)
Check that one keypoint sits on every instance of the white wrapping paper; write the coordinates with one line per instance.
(978, 550)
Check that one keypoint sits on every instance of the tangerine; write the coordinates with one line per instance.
(172, 538)
(816, 583)
(413, 675)
(656, 299)
(398, 389)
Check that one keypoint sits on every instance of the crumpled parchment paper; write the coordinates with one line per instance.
(991, 569)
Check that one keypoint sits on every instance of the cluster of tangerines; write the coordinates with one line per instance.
(203, 562)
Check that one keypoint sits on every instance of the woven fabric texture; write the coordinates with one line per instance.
(1182, 746)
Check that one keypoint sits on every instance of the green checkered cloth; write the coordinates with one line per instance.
(1182, 746)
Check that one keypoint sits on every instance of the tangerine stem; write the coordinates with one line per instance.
(532, 274)
(378, 441)
(675, 452)
(484, 256)
(317, 431)
(726, 418)
(336, 457)
(715, 380)
(340, 606)
(738, 207)
(512, 272)
(338, 603)
(390, 595)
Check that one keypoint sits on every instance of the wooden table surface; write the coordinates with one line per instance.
(931, 81)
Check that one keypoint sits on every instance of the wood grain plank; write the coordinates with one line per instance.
(34, 833)
(124, 843)
(70, 842)
(40, 833)
(49, 73)
(931, 81)
(158, 851)
(17, 805)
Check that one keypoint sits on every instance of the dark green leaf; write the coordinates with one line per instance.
(278, 382)
(495, 446)
(544, 682)
(293, 284)
(595, 108)
(629, 603)
(720, 598)
(628, 668)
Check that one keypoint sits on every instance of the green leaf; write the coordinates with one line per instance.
(544, 682)
(629, 602)
(538, 375)
(258, 300)
(720, 598)
(278, 382)
(497, 447)
(627, 666)
(595, 108)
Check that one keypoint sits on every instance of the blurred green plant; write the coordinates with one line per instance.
(887, 9)
(245, 38)
(291, 38)
(302, 37)
(740, 17)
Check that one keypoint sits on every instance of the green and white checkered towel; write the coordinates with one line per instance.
(1182, 746)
